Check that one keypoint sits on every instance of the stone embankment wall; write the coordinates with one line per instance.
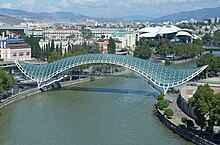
(18, 96)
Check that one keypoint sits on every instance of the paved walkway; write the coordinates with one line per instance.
(178, 113)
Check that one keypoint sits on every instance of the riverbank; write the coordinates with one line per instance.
(176, 124)
(30, 92)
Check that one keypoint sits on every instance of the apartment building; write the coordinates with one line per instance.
(14, 49)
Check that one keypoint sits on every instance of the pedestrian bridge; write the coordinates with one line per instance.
(161, 76)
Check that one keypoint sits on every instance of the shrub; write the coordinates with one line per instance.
(167, 62)
(169, 113)
(162, 104)
(184, 119)
(92, 79)
(160, 97)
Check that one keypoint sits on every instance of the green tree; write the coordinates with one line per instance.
(103, 36)
(54, 56)
(52, 46)
(142, 51)
(216, 36)
(35, 48)
(160, 97)
(169, 113)
(184, 119)
(206, 106)
(86, 33)
(6, 81)
(212, 61)
(200, 122)
(179, 50)
(162, 104)
(207, 38)
(111, 46)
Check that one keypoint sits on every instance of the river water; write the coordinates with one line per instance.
(112, 111)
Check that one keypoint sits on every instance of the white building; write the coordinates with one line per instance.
(14, 49)
(62, 34)
(56, 34)
(90, 23)
(170, 32)
(36, 33)
(125, 38)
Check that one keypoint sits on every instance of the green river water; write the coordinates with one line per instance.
(111, 111)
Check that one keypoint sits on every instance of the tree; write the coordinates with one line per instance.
(54, 56)
(179, 49)
(216, 36)
(189, 124)
(206, 106)
(160, 97)
(212, 61)
(52, 46)
(35, 48)
(142, 51)
(86, 33)
(6, 81)
(162, 104)
(169, 113)
(103, 36)
(207, 38)
(111, 46)
(200, 122)
(184, 119)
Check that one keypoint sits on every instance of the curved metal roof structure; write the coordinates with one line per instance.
(165, 77)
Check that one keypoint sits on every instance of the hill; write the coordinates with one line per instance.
(199, 14)
(10, 20)
(56, 16)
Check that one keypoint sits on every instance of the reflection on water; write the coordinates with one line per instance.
(112, 111)
(109, 90)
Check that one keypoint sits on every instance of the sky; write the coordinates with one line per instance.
(111, 8)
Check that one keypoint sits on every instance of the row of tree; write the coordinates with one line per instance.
(206, 106)
(209, 38)
(73, 50)
(6, 81)
(181, 50)
(212, 61)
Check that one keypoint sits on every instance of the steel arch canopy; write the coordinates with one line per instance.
(162, 76)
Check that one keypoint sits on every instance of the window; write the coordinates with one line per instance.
(27, 53)
(14, 54)
(21, 53)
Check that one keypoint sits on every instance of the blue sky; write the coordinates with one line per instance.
(110, 8)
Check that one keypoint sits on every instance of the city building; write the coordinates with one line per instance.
(15, 29)
(62, 34)
(90, 23)
(124, 39)
(39, 33)
(103, 43)
(14, 49)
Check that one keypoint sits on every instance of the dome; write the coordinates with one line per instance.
(167, 29)
(184, 33)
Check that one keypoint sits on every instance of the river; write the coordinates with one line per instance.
(112, 111)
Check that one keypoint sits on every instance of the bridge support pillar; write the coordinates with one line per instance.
(165, 89)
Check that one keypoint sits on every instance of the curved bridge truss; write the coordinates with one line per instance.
(161, 76)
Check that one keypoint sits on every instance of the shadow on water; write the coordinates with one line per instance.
(109, 90)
